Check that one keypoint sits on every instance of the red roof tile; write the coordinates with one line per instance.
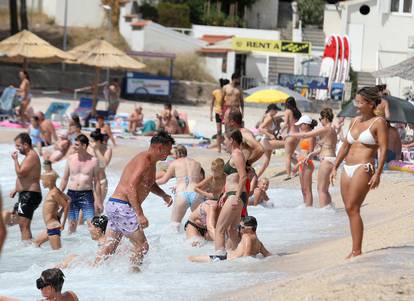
(140, 23)
(211, 39)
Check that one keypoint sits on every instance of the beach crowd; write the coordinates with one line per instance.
(218, 198)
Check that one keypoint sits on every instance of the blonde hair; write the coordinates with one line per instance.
(51, 174)
(217, 164)
(264, 180)
(181, 151)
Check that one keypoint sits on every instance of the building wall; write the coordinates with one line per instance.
(263, 14)
(81, 13)
(199, 30)
(256, 67)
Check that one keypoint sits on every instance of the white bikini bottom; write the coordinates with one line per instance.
(350, 169)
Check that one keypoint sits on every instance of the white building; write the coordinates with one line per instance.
(382, 37)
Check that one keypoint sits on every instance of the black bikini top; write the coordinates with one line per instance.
(228, 169)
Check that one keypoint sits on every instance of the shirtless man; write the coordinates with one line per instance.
(27, 186)
(81, 177)
(233, 95)
(168, 123)
(135, 120)
(249, 245)
(47, 128)
(59, 150)
(188, 173)
(55, 200)
(124, 208)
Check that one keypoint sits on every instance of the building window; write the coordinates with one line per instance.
(224, 64)
(402, 6)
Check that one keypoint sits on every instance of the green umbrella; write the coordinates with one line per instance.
(400, 110)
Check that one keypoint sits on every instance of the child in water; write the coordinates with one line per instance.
(260, 196)
(55, 200)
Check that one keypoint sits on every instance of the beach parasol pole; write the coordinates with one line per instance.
(95, 90)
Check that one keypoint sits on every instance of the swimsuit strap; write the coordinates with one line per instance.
(373, 122)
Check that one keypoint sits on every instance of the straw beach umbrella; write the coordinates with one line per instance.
(102, 55)
(26, 46)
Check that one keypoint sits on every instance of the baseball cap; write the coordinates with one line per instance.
(304, 119)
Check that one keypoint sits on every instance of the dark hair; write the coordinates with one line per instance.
(235, 76)
(26, 74)
(97, 135)
(236, 116)
(24, 139)
(236, 135)
(327, 113)
(100, 222)
(47, 163)
(381, 87)
(313, 124)
(223, 82)
(272, 106)
(54, 277)
(168, 106)
(162, 137)
(35, 118)
(78, 126)
(370, 94)
(82, 139)
(75, 118)
(100, 117)
(250, 221)
(291, 105)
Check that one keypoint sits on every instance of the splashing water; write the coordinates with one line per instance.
(166, 272)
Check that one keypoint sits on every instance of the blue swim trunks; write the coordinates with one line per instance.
(81, 199)
(54, 231)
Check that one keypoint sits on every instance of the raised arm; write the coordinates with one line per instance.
(311, 134)
(264, 127)
(170, 173)
(23, 169)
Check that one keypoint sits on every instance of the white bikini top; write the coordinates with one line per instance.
(365, 137)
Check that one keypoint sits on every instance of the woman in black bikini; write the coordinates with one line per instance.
(234, 196)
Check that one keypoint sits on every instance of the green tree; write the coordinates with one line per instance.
(148, 11)
(311, 11)
(14, 21)
(174, 15)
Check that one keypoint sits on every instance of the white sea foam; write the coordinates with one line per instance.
(166, 273)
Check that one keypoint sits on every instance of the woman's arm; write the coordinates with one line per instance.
(111, 136)
(257, 196)
(264, 127)
(382, 137)
(310, 134)
(240, 164)
(199, 188)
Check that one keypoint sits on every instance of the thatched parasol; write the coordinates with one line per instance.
(102, 55)
(26, 46)
(404, 69)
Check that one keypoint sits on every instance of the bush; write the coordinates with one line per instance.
(311, 11)
(174, 15)
(149, 12)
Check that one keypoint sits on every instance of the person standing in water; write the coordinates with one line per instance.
(359, 175)
(124, 207)
(82, 178)
(47, 128)
(216, 106)
(292, 115)
(105, 129)
(233, 95)
(187, 171)
(3, 231)
(27, 184)
(326, 152)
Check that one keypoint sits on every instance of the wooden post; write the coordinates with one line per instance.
(95, 91)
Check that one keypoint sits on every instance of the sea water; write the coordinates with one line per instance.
(166, 272)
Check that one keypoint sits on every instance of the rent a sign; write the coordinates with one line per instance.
(247, 44)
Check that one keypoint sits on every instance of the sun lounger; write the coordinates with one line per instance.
(84, 108)
(6, 102)
(56, 109)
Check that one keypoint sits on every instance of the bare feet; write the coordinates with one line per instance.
(354, 254)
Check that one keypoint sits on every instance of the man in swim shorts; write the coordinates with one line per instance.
(233, 95)
(81, 177)
(27, 185)
(249, 245)
(124, 208)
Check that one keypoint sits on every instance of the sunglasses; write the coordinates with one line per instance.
(40, 283)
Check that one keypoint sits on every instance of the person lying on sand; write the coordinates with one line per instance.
(249, 245)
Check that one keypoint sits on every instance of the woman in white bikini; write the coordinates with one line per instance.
(367, 134)
(326, 152)
(292, 115)
(268, 128)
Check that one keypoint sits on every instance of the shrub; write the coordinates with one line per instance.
(311, 11)
(174, 15)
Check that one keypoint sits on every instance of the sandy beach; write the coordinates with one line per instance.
(316, 271)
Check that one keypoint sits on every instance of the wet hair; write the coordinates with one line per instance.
(272, 106)
(370, 94)
(236, 116)
(223, 82)
(250, 221)
(100, 222)
(52, 174)
(291, 105)
(235, 76)
(168, 106)
(82, 139)
(26, 74)
(53, 277)
(181, 151)
(327, 113)
(217, 164)
(236, 135)
(162, 137)
(97, 135)
(24, 139)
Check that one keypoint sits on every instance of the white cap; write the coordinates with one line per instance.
(304, 119)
